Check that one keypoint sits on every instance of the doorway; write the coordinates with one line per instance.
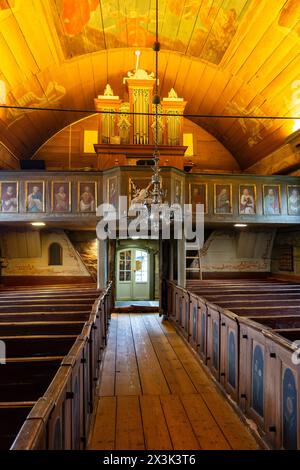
(134, 274)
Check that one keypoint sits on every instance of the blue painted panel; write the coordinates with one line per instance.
(289, 410)
(186, 316)
(194, 334)
(258, 381)
(216, 345)
(231, 360)
(203, 332)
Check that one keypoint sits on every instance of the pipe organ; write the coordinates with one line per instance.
(118, 126)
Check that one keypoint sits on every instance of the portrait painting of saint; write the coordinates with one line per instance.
(271, 195)
(112, 191)
(35, 196)
(87, 196)
(293, 195)
(177, 191)
(61, 196)
(247, 199)
(223, 199)
(9, 197)
(198, 195)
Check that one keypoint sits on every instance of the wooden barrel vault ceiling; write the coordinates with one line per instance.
(223, 56)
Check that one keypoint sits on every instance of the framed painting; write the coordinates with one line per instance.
(9, 194)
(223, 198)
(198, 195)
(247, 199)
(272, 199)
(61, 197)
(293, 199)
(178, 185)
(138, 188)
(112, 190)
(87, 196)
(35, 196)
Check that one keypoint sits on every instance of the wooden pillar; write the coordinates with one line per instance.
(112, 264)
(102, 265)
(171, 264)
(181, 271)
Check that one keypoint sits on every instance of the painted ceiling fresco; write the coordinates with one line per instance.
(239, 57)
(203, 29)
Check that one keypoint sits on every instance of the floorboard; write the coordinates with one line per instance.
(154, 394)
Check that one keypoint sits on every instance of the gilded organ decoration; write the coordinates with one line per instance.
(118, 126)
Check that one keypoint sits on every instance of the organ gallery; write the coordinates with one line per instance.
(149, 228)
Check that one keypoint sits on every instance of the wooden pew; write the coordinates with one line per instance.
(41, 328)
(230, 325)
(12, 416)
(61, 418)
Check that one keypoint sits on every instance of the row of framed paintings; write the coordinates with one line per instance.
(272, 204)
(61, 197)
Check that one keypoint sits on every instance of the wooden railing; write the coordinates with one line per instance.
(61, 418)
(246, 343)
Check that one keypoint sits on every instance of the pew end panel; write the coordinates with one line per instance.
(229, 354)
(213, 340)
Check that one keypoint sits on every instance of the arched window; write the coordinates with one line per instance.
(55, 255)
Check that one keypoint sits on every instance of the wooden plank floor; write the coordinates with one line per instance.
(155, 395)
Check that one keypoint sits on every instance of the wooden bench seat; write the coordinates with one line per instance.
(26, 379)
(44, 308)
(41, 328)
(38, 346)
(44, 316)
(278, 322)
(12, 416)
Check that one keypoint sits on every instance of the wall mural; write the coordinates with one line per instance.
(51, 97)
(290, 15)
(88, 25)
(253, 128)
(289, 411)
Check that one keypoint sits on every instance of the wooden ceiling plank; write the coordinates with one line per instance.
(261, 21)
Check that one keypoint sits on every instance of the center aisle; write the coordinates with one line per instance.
(155, 395)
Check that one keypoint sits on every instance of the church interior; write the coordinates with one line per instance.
(144, 341)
